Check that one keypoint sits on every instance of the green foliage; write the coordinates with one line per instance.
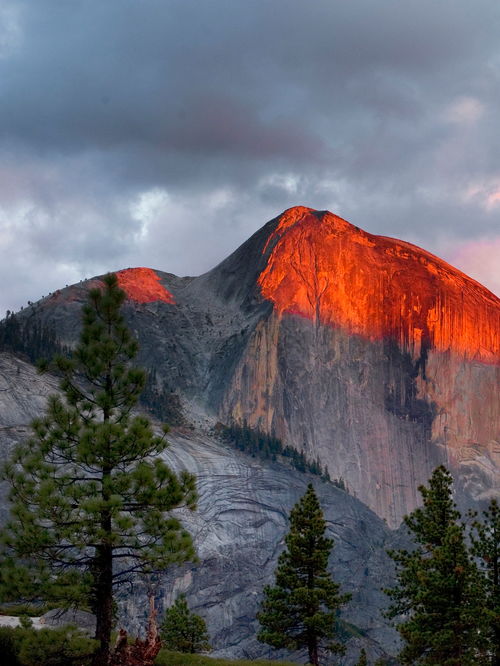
(16, 610)
(29, 337)
(9, 646)
(184, 631)
(90, 499)
(260, 444)
(439, 591)
(485, 540)
(55, 647)
(299, 611)
(169, 658)
(161, 401)
(45, 647)
(362, 661)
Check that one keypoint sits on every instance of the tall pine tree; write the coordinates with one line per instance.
(439, 592)
(362, 661)
(184, 631)
(485, 539)
(299, 611)
(90, 498)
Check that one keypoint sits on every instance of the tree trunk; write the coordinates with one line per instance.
(312, 648)
(103, 605)
(496, 655)
(495, 595)
(104, 561)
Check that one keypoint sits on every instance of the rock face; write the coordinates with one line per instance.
(377, 357)
(366, 352)
(238, 530)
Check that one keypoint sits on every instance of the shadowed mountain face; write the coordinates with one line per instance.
(366, 352)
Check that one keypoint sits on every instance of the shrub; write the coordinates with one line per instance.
(45, 647)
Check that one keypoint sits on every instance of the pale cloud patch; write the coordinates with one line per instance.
(493, 199)
(11, 33)
(487, 195)
(220, 198)
(464, 111)
(289, 182)
(146, 207)
(481, 261)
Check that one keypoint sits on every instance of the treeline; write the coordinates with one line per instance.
(268, 447)
(446, 602)
(33, 340)
(29, 338)
(161, 401)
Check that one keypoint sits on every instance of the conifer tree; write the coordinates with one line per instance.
(182, 630)
(485, 539)
(90, 498)
(362, 661)
(299, 611)
(439, 592)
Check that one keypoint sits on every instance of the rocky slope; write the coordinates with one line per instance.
(366, 352)
(238, 530)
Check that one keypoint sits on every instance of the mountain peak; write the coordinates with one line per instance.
(143, 285)
(323, 268)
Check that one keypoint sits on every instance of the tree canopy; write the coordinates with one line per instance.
(439, 593)
(485, 539)
(182, 630)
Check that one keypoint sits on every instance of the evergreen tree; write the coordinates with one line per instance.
(184, 631)
(90, 498)
(486, 546)
(299, 611)
(362, 661)
(439, 591)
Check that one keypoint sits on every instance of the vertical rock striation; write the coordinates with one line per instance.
(366, 352)
(378, 357)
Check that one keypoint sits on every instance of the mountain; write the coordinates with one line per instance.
(238, 529)
(367, 353)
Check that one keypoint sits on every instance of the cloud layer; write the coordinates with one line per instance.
(164, 132)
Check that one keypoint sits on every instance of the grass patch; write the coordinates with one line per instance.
(32, 610)
(167, 658)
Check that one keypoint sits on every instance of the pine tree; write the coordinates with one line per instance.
(485, 539)
(184, 631)
(438, 589)
(90, 498)
(362, 661)
(299, 611)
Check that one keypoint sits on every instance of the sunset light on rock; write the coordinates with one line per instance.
(325, 269)
(251, 271)
(143, 285)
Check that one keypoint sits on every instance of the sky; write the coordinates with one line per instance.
(163, 133)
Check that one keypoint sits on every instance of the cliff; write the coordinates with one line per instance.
(368, 353)
(377, 357)
(238, 530)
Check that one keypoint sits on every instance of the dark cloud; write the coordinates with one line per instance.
(164, 132)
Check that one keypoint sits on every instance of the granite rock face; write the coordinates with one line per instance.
(238, 530)
(367, 352)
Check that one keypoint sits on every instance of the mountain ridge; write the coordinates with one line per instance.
(368, 353)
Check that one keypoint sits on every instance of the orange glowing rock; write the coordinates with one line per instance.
(323, 268)
(143, 285)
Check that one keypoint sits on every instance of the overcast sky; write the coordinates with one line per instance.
(163, 133)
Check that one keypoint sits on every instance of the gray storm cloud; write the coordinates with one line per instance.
(163, 133)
